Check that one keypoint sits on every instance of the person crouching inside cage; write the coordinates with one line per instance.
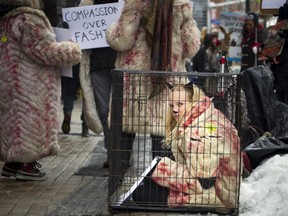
(205, 167)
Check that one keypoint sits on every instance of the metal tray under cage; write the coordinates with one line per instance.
(198, 169)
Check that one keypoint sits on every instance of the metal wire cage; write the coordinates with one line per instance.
(174, 142)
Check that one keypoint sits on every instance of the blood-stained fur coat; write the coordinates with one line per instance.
(206, 168)
(128, 37)
(30, 87)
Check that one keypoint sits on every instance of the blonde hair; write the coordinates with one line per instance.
(203, 33)
(194, 94)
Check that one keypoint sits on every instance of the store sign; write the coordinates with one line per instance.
(88, 24)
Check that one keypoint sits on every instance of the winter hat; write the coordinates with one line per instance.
(253, 16)
(37, 4)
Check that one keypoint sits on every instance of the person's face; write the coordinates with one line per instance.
(178, 102)
(214, 41)
(249, 25)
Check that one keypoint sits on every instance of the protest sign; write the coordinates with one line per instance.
(88, 24)
(233, 22)
(271, 6)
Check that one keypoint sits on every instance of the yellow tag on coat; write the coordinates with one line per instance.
(4, 39)
(211, 128)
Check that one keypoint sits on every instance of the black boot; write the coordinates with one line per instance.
(85, 130)
(66, 123)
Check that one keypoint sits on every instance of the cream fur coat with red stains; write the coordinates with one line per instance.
(206, 145)
(30, 88)
(128, 37)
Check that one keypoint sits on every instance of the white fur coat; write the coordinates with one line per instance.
(30, 86)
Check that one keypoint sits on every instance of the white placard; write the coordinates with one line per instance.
(88, 24)
(271, 4)
(64, 35)
(233, 22)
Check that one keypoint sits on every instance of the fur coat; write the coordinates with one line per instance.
(128, 37)
(206, 146)
(30, 87)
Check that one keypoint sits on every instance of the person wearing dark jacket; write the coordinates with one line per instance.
(279, 65)
(254, 35)
(206, 60)
(200, 59)
(102, 62)
(200, 62)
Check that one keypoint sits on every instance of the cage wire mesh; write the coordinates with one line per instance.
(174, 144)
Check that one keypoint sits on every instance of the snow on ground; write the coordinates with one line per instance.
(265, 191)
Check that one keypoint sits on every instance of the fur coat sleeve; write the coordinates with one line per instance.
(122, 35)
(39, 43)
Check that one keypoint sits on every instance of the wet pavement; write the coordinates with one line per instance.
(76, 183)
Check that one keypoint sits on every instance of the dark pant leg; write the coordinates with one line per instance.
(69, 93)
(70, 86)
(150, 192)
(156, 145)
(157, 149)
(126, 149)
(101, 82)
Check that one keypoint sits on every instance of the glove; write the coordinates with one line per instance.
(256, 48)
(271, 60)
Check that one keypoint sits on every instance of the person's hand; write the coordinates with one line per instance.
(262, 58)
(256, 48)
(269, 60)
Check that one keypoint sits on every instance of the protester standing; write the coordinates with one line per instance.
(146, 40)
(207, 60)
(99, 63)
(30, 87)
(254, 35)
(279, 63)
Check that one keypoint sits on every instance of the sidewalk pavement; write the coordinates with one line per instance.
(76, 184)
(67, 179)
